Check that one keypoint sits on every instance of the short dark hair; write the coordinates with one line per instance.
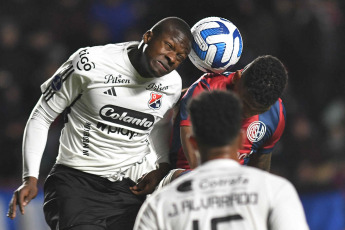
(176, 22)
(265, 80)
(216, 117)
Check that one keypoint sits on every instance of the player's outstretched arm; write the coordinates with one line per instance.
(22, 196)
(185, 132)
(34, 142)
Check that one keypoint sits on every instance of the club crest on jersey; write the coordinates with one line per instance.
(155, 101)
(256, 131)
(56, 83)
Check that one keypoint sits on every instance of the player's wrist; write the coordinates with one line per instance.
(30, 180)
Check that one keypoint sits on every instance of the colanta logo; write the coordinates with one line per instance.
(127, 117)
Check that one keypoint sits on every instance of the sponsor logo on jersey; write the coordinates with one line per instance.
(155, 101)
(116, 130)
(110, 92)
(86, 138)
(84, 63)
(127, 117)
(56, 83)
(256, 131)
(212, 183)
(157, 87)
(185, 186)
(109, 78)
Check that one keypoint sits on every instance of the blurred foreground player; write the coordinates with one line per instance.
(118, 100)
(220, 193)
(259, 86)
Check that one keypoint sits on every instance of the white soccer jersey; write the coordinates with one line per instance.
(113, 112)
(221, 194)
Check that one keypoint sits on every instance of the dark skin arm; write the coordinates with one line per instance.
(22, 196)
(148, 182)
(261, 161)
(185, 132)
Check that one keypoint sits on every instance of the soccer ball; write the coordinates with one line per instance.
(217, 45)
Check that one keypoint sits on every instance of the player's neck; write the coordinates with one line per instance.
(224, 152)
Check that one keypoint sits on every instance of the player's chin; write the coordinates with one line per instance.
(158, 70)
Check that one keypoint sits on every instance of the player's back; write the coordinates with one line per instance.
(221, 194)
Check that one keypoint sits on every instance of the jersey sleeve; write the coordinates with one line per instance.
(65, 85)
(265, 131)
(194, 90)
(286, 210)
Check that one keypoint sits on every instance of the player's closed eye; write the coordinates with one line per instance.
(168, 46)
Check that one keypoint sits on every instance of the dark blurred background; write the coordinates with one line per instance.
(36, 37)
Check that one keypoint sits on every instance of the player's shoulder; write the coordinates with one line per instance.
(88, 60)
(271, 118)
(267, 179)
(173, 79)
(275, 114)
(180, 185)
(214, 77)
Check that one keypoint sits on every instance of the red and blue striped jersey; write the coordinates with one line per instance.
(262, 131)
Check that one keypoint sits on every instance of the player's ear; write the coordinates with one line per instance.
(147, 36)
(237, 77)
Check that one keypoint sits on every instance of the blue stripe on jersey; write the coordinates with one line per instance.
(271, 120)
(185, 99)
(203, 81)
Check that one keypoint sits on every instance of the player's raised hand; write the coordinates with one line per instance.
(22, 196)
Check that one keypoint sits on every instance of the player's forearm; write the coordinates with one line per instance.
(185, 132)
(35, 138)
(163, 169)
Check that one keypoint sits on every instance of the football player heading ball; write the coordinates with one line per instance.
(217, 46)
(220, 193)
(259, 85)
(118, 99)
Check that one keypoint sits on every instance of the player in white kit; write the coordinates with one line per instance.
(118, 100)
(220, 193)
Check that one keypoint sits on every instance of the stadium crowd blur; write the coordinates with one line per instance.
(36, 37)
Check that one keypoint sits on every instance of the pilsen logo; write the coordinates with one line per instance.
(127, 117)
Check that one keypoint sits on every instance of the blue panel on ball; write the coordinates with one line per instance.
(222, 29)
(201, 54)
(238, 35)
(217, 61)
